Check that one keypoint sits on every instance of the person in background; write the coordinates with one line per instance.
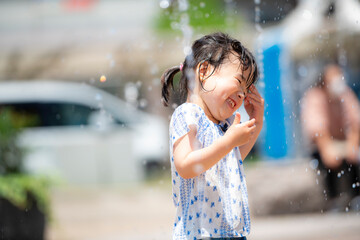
(331, 116)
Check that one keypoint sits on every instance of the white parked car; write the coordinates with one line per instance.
(84, 134)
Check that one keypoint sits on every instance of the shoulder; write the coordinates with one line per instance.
(314, 92)
(188, 108)
(189, 112)
(186, 116)
(313, 97)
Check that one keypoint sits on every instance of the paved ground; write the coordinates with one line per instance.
(146, 212)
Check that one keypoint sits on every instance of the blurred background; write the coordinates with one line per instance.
(84, 136)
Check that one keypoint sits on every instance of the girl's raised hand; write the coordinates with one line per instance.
(254, 105)
(240, 133)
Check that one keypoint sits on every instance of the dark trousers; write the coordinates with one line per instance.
(340, 181)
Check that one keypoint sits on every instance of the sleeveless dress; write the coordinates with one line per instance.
(215, 203)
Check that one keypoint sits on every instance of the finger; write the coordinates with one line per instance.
(251, 122)
(254, 98)
(254, 104)
(247, 101)
(237, 118)
(255, 92)
(252, 129)
(254, 89)
(248, 123)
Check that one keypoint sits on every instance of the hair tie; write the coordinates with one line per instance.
(181, 67)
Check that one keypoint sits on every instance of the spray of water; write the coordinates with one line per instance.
(259, 38)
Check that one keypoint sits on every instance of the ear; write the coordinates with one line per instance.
(204, 70)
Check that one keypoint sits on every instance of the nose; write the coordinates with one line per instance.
(241, 95)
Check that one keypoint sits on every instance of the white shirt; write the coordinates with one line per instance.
(215, 203)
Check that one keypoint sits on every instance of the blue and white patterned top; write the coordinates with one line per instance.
(215, 203)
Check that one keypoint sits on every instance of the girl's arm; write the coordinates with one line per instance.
(190, 160)
(254, 106)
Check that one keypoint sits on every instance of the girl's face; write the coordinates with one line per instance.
(225, 90)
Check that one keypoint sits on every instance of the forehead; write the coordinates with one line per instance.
(232, 63)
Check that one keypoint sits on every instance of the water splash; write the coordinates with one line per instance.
(164, 4)
(131, 93)
(259, 39)
(314, 163)
(257, 15)
(185, 26)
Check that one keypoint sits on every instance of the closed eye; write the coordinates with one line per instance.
(243, 93)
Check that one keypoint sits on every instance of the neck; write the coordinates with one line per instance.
(196, 99)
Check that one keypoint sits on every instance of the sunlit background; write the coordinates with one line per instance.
(80, 109)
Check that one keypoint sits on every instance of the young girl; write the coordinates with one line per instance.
(208, 142)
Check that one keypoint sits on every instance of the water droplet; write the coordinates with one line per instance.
(174, 105)
(339, 175)
(258, 27)
(154, 69)
(318, 172)
(187, 50)
(143, 103)
(164, 4)
(98, 97)
(307, 15)
(112, 63)
(131, 92)
(303, 71)
(353, 185)
(346, 209)
(314, 163)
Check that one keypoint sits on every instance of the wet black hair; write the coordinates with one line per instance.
(213, 49)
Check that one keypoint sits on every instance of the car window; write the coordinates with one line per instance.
(54, 114)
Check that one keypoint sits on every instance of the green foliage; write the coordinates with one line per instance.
(203, 16)
(20, 188)
(15, 185)
(11, 154)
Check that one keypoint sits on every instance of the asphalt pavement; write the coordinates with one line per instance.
(146, 212)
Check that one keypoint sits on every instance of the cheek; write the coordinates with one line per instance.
(210, 84)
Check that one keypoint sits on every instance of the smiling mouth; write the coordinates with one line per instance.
(231, 102)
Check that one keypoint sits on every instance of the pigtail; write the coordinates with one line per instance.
(167, 81)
